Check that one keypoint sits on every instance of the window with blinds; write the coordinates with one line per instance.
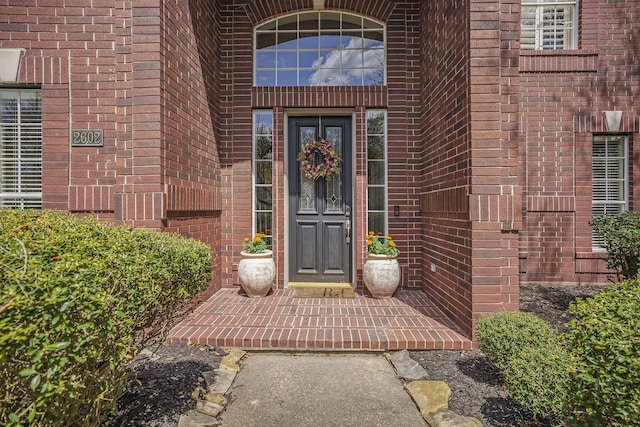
(548, 25)
(609, 178)
(20, 148)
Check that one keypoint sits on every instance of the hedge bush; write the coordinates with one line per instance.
(605, 342)
(80, 298)
(621, 237)
(502, 335)
(537, 379)
(531, 357)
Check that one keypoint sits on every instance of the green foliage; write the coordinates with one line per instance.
(621, 234)
(255, 245)
(531, 358)
(504, 334)
(80, 298)
(380, 245)
(537, 379)
(605, 344)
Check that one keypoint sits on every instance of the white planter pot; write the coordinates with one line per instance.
(257, 272)
(381, 274)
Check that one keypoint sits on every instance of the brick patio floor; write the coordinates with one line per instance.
(409, 320)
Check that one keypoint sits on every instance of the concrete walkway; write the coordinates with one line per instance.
(313, 390)
(331, 389)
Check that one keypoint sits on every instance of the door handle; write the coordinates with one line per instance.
(347, 227)
(347, 224)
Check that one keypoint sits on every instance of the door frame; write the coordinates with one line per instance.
(320, 112)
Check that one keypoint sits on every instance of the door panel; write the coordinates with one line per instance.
(308, 256)
(320, 210)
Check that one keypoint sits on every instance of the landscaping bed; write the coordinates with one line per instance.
(166, 378)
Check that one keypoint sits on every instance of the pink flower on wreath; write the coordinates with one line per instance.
(309, 154)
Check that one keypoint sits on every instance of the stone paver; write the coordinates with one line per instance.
(430, 396)
(407, 368)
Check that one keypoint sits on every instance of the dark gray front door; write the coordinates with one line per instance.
(320, 210)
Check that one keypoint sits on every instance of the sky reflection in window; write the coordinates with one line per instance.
(320, 49)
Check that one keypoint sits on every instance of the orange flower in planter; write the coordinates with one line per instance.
(255, 245)
(379, 245)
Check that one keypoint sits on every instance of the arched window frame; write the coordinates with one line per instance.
(334, 49)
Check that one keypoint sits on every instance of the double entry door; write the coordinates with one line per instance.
(320, 215)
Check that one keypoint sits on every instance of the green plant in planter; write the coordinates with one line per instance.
(380, 245)
(255, 245)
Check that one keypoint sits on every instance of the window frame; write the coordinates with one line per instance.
(539, 28)
(385, 177)
(254, 173)
(623, 201)
(346, 30)
(26, 135)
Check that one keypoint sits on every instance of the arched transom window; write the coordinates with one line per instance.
(320, 49)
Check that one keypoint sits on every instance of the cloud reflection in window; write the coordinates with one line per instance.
(319, 54)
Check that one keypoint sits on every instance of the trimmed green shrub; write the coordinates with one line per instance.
(605, 344)
(531, 357)
(621, 235)
(504, 334)
(80, 298)
(537, 379)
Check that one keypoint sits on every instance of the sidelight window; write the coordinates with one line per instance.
(263, 173)
(377, 171)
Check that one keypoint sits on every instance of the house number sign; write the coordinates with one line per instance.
(87, 138)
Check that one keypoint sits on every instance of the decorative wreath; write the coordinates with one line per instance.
(329, 166)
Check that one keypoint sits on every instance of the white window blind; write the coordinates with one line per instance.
(548, 25)
(21, 148)
(609, 178)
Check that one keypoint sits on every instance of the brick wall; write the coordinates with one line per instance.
(190, 165)
(471, 198)
(401, 98)
(142, 72)
(72, 52)
(444, 206)
(489, 149)
(563, 97)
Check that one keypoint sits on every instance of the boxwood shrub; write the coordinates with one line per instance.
(605, 342)
(502, 335)
(80, 298)
(531, 357)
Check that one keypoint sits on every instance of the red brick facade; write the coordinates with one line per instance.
(488, 147)
(563, 96)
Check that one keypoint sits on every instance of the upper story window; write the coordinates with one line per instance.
(320, 49)
(20, 148)
(548, 24)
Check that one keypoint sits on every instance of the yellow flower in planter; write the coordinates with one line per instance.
(378, 245)
(255, 245)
